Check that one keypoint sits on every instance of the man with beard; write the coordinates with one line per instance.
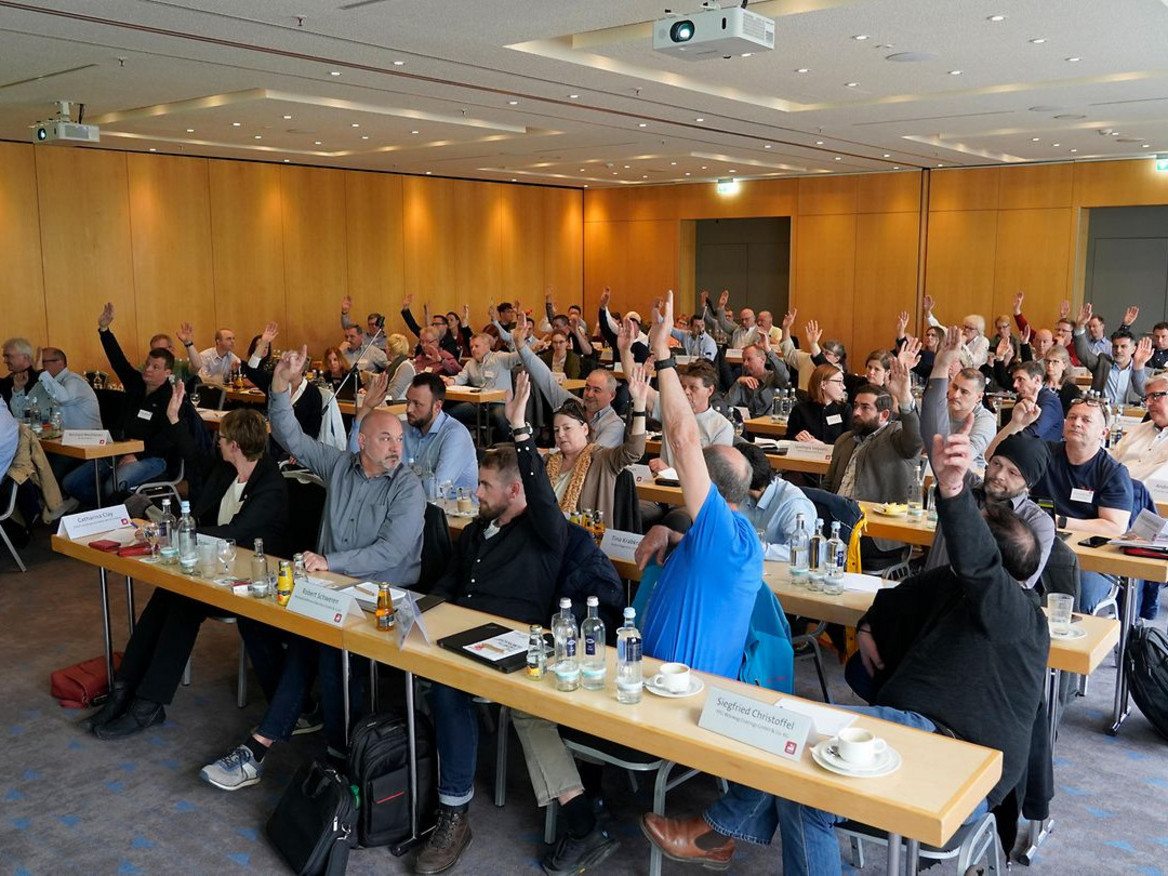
(434, 444)
(949, 401)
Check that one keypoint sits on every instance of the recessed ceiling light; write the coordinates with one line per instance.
(803, 70)
(687, 173)
(415, 132)
(1074, 150)
(703, 167)
(399, 63)
(334, 72)
(1074, 60)
(766, 145)
(1115, 133)
(646, 176)
(614, 173)
(315, 142)
(514, 180)
(287, 117)
(190, 130)
(1145, 146)
(673, 164)
(996, 18)
(699, 119)
(573, 97)
(642, 125)
(746, 55)
(837, 158)
(1056, 145)
(286, 160)
(1038, 42)
(356, 124)
(235, 124)
(940, 165)
(954, 72)
(585, 185)
(1033, 139)
(887, 155)
(581, 170)
(512, 103)
(861, 36)
(428, 172)
(851, 84)
(152, 149)
(364, 136)
(896, 167)
(818, 142)
(259, 136)
(732, 171)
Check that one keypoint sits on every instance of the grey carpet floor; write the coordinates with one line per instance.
(70, 803)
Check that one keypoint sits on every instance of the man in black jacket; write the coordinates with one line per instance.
(959, 651)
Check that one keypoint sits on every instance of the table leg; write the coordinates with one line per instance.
(97, 480)
(1127, 620)
(345, 688)
(105, 624)
(894, 867)
(130, 603)
(1053, 704)
(912, 858)
(414, 838)
(1039, 831)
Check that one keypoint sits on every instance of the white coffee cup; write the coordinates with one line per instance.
(673, 677)
(859, 747)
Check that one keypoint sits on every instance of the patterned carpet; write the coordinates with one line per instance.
(70, 803)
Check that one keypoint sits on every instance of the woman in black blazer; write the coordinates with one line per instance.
(242, 497)
(826, 414)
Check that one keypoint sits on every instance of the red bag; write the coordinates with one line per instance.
(81, 685)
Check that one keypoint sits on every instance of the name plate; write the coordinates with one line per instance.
(804, 450)
(86, 437)
(641, 473)
(771, 728)
(322, 604)
(87, 523)
(618, 545)
(1158, 489)
(407, 618)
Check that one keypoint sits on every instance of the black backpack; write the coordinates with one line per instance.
(379, 767)
(1147, 674)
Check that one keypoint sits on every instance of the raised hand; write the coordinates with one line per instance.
(638, 382)
(1018, 297)
(269, 333)
(1142, 354)
(662, 319)
(346, 304)
(901, 324)
(407, 300)
(290, 364)
(789, 319)
(705, 294)
(1064, 310)
(547, 295)
(516, 406)
(492, 313)
(1025, 413)
(1131, 315)
(1005, 351)
(37, 364)
(521, 329)
(107, 316)
(177, 393)
(626, 335)
(764, 340)
(910, 352)
(813, 332)
(466, 315)
(723, 298)
(927, 303)
(899, 384)
(375, 393)
(186, 333)
(605, 297)
(1026, 332)
(950, 349)
(1084, 313)
(952, 457)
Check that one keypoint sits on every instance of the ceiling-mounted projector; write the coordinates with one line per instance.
(58, 131)
(714, 33)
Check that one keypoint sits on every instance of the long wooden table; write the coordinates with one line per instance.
(927, 799)
(765, 426)
(89, 453)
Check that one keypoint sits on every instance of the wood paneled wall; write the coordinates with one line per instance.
(231, 243)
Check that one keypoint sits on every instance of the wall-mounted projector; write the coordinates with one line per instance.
(59, 131)
(714, 33)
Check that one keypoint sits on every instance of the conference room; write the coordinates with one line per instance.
(307, 167)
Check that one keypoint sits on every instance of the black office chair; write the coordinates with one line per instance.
(306, 495)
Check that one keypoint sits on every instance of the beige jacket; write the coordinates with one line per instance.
(30, 463)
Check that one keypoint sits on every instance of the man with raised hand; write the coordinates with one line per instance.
(740, 334)
(1120, 376)
(948, 401)
(374, 331)
(755, 389)
(960, 651)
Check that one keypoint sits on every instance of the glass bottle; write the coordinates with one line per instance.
(384, 608)
(800, 547)
(594, 666)
(299, 573)
(259, 563)
(165, 526)
(188, 540)
(915, 499)
(837, 561)
(629, 680)
(567, 661)
(816, 557)
(536, 654)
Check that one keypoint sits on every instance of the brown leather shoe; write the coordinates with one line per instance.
(446, 844)
(688, 840)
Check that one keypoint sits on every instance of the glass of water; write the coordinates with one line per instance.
(227, 553)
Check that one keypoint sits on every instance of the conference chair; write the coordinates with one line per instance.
(970, 844)
(8, 489)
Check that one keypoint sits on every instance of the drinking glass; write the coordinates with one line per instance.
(150, 533)
(195, 399)
(227, 553)
(1059, 607)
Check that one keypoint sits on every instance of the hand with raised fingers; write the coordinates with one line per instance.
(346, 304)
(177, 394)
(901, 324)
(1142, 354)
(605, 297)
(952, 458)
(1018, 297)
(662, 320)
(1131, 315)
(813, 332)
(107, 316)
(1085, 314)
(516, 406)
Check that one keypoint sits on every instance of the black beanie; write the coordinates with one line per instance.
(1029, 454)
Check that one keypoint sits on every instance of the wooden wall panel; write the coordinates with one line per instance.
(886, 277)
(170, 220)
(827, 194)
(889, 192)
(959, 272)
(248, 243)
(1033, 254)
(373, 233)
(563, 248)
(650, 278)
(823, 277)
(85, 239)
(1119, 184)
(754, 198)
(1033, 187)
(22, 281)
(964, 189)
(521, 227)
(607, 205)
(605, 264)
(316, 262)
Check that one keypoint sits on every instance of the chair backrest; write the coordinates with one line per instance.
(111, 403)
(437, 547)
(211, 396)
(626, 507)
(768, 658)
(306, 493)
(585, 571)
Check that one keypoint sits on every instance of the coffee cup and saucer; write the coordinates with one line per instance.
(858, 753)
(674, 680)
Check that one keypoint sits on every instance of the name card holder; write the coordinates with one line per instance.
(88, 523)
(86, 438)
(323, 604)
(769, 727)
(619, 545)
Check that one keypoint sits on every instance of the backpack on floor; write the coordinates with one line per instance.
(1147, 674)
(83, 684)
(379, 767)
(313, 825)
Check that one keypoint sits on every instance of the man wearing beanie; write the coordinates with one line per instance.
(1016, 466)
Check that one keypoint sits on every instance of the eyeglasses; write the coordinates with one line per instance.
(971, 328)
(1093, 402)
(1152, 396)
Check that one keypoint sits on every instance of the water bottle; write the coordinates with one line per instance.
(800, 546)
(629, 681)
(837, 562)
(594, 666)
(166, 546)
(56, 423)
(536, 654)
(188, 540)
(816, 557)
(259, 563)
(299, 573)
(787, 404)
(567, 661)
(33, 412)
(915, 499)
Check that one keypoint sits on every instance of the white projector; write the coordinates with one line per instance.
(714, 33)
(59, 131)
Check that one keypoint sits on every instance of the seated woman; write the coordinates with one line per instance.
(1058, 376)
(582, 474)
(559, 357)
(307, 402)
(242, 497)
(875, 372)
(400, 368)
(336, 368)
(460, 328)
(826, 414)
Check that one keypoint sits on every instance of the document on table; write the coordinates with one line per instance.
(365, 593)
(501, 647)
(862, 583)
(828, 722)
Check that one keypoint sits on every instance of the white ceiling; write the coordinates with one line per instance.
(571, 93)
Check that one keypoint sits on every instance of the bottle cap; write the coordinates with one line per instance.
(565, 602)
(630, 612)
(593, 600)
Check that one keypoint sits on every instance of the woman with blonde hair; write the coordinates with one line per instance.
(400, 368)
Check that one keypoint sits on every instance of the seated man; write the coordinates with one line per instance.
(1159, 360)
(486, 369)
(1030, 384)
(606, 426)
(374, 332)
(959, 650)
(949, 401)
(741, 334)
(755, 389)
(18, 358)
(362, 355)
(147, 397)
(506, 563)
(1144, 448)
(371, 529)
(438, 323)
(696, 343)
(1091, 492)
(431, 358)
(774, 504)
(217, 363)
(1120, 376)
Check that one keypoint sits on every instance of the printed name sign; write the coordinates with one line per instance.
(322, 604)
(86, 437)
(407, 618)
(641, 473)
(618, 545)
(92, 522)
(806, 450)
(771, 728)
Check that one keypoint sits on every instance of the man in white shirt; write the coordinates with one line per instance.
(741, 333)
(219, 361)
(59, 389)
(486, 370)
(1144, 449)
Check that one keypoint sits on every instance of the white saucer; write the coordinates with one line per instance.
(824, 754)
(696, 685)
(1075, 633)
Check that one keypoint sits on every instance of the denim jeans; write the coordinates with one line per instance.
(1093, 587)
(80, 483)
(810, 847)
(456, 727)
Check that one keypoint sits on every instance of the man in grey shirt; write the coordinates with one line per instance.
(949, 400)
(487, 370)
(740, 334)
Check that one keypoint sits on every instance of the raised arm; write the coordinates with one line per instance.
(1087, 356)
(727, 325)
(346, 306)
(186, 334)
(908, 439)
(285, 427)
(541, 375)
(113, 351)
(408, 316)
(542, 508)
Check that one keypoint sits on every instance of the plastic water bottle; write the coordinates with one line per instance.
(816, 557)
(594, 666)
(837, 561)
(567, 660)
(259, 563)
(166, 527)
(915, 507)
(188, 540)
(800, 546)
(629, 681)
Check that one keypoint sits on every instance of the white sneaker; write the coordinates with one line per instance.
(237, 770)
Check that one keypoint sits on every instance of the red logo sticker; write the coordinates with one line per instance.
(791, 746)
(337, 618)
